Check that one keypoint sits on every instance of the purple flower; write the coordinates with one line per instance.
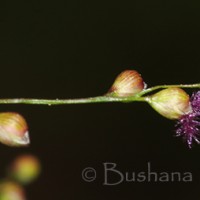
(188, 125)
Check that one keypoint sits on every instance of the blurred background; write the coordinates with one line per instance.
(76, 49)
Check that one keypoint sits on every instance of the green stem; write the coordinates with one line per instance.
(100, 99)
(149, 90)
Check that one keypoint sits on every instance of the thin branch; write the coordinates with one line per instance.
(149, 90)
(100, 99)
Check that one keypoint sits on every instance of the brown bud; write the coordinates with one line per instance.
(171, 103)
(13, 129)
(127, 83)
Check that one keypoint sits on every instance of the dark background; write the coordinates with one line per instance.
(76, 49)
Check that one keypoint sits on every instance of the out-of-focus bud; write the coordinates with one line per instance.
(13, 129)
(127, 83)
(11, 191)
(171, 103)
(25, 169)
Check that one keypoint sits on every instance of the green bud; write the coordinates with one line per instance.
(11, 191)
(25, 169)
(127, 83)
(171, 103)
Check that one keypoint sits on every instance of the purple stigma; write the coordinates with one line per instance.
(195, 102)
(188, 126)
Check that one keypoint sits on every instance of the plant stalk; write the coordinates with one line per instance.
(99, 99)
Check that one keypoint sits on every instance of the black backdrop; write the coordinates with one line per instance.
(75, 49)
